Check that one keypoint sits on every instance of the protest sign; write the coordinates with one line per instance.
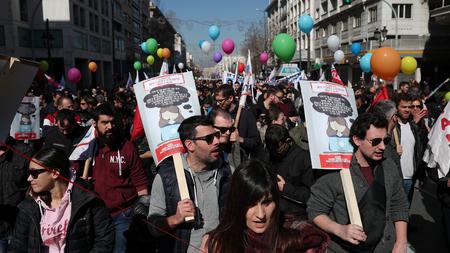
(25, 125)
(330, 109)
(16, 76)
(164, 102)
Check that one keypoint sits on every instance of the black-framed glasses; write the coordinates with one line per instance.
(377, 141)
(35, 173)
(224, 130)
(208, 138)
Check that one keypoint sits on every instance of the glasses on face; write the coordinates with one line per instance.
(220, 101)
(35, 173)
(224, 130)
(377, 141)
(208, 138)
(415, 107)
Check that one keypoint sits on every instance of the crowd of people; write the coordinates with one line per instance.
(251, 184)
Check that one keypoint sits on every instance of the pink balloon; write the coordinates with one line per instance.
(263, 58)
(228, 46)
(74, 75)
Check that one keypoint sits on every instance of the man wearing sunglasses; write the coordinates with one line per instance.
(378, 187)
(412, 141)
(207, 177)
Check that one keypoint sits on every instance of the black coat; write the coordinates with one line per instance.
(296, 170)
(90, 228)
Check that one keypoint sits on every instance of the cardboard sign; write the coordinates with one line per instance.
(330, 110)
(25, 125)
(16, 76)
(164, 102)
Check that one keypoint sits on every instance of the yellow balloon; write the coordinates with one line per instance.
(150, 59)
(409, 65)
(159, 52)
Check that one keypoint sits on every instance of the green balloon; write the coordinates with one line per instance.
(447, 97)
(137, 65)
(44, 65)
(152, 45)
(284, 47)
(317, 66)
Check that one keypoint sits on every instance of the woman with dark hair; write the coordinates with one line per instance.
(57, 217)
(250, 222)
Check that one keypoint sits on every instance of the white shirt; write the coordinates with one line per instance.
(407, 141)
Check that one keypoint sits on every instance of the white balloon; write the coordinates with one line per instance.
(206, 46)
(180, 65)
(333, 43)
(339, 56)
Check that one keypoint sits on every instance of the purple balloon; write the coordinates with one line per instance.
(217, 57)
(228, 46)
(263, 57)
(74, 75)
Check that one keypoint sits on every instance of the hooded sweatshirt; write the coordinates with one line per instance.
(54, 222)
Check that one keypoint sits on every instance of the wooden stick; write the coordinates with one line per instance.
(87, 164)
(350, 197)
(398, 145)
(241, 105)
(181, 179)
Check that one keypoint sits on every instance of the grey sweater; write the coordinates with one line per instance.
(327, 197)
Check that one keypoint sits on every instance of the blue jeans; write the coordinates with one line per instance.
(407, 186)
(122, 222)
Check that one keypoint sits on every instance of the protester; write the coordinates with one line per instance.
(382, 202)
(223, 122)
(207, 177)
(57, 216)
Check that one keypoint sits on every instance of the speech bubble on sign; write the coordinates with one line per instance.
(166, 96)
(332, 105)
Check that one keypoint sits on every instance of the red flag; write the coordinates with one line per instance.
(383, 94)
(335, 76)
(138, 127)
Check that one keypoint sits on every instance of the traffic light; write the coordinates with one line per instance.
(347, 1)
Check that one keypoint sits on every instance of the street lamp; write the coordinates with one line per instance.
(380, 35)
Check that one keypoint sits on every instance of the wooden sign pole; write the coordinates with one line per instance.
(181, 179)
(350, 197)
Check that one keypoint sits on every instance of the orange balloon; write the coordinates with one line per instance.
(166, 53)
(385, 63)
(92, 66)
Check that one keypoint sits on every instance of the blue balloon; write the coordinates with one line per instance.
(200, 42)
(364, 63)
(305, 23)
(356, 48)
(144, 48)
(214, 32)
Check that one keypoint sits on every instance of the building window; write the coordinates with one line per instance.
(402, 10)
(333, 5)
(324, 32)
(40, 42)
(324, 6)
(344, 26)
(96, 24)
(95, 4)
(2, 36)
(106, 46)
(81, 41)
(82, 18)
(373, 14)
(91, 3)
(106, 8)
(23, 10)
(317, 34)
(102, 6)
(333, 29)
(356, 21)
(95, 44)
(91, 22)
(76, 14)
(119, 44)
(24, 37)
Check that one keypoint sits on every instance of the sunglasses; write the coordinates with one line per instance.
(377, 141)
(208, 138)
(416, 106)
(224, 130)
(35, 173)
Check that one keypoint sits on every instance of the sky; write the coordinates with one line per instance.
(192, 18)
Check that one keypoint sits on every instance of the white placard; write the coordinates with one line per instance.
(164, 102)
(330, 110)
(25, 125)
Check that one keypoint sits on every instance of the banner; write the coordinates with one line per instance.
(164, 102)
(330, 110)
(25, 125)
(438, 148)
(227, 76)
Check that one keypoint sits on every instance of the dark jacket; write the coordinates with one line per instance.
(247, 129)
(296, 170)
(90, 227)
(54, 138)
(172, 194)
(13, 184)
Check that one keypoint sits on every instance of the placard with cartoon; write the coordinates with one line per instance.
(25, 125)
(330, 109)
(164, 102)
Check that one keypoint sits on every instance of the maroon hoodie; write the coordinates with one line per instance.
(116, 184)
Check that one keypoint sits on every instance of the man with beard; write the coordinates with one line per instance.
(293, 167)
(382, 202)
(207, 177)
(117, 173)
